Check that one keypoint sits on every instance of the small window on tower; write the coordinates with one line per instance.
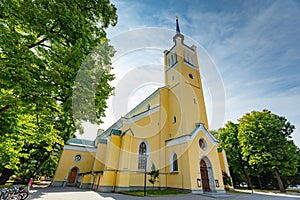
(195, 101)
(191, 76)
(169, 62)
(174, 119)
(173, 77)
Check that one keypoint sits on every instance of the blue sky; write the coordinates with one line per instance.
(255, 46)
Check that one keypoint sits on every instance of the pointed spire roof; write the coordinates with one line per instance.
(177, 25)
(178, 34)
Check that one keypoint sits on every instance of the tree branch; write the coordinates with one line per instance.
(4, 109)
(38, 43)
(49, 47)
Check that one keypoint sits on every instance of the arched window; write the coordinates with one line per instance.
(174, 119)
(175, 162)
(142, 156)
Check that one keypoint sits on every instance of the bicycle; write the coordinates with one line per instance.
(16, 192)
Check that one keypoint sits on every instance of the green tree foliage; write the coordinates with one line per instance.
(154, 173)
(228, 138)
(260, 147)
(265, 140)
(55, 72)
(226, 180)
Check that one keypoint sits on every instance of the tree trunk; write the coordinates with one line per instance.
(259, 181)
(280, 183)
(245, 172)
(6, 173)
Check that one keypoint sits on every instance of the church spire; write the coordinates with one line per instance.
(178, 34)
(177, 26)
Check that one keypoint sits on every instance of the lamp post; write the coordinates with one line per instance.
(145, 174)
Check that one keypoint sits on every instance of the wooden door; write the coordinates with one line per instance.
(204, 176)
(72, 176)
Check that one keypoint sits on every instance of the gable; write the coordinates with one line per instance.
(189, 137)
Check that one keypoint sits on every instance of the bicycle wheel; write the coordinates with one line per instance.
(23, 194)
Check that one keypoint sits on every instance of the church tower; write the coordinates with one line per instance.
(182, 77)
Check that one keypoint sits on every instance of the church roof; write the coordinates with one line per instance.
(80, 142)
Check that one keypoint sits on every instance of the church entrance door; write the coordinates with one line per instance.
(204, 176)
(72, 176)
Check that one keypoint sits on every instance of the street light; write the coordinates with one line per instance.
(145, 173)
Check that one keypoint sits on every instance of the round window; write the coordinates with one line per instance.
(77, 158)
(191, 76)
(202, 144)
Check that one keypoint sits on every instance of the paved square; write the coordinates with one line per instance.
(72, 193)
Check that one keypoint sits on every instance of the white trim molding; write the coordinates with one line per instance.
(191, 136)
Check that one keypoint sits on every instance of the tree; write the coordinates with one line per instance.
(44, 47)
(228, 137)
(154, 173)
(226, 180)
(265, 140)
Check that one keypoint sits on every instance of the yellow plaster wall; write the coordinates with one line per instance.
(111, 161)
(113, 152)
(164, 116)
(108, 178)
(100, 157)
(125, 152)
(182, 178)
(175, 110)
(145, 127)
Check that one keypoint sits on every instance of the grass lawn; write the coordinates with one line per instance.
(155, 192)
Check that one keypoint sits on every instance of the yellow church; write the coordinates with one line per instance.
(169, 129)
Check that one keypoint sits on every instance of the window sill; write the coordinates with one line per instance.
(174, 172)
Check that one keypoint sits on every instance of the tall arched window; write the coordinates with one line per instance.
(175, 162)
(142, 156)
